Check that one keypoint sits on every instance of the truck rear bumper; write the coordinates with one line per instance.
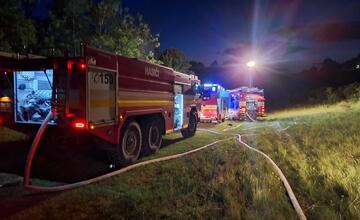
(208, 119)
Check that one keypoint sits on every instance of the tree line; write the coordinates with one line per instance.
(104, 24)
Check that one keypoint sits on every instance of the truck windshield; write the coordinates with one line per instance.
(208, 90)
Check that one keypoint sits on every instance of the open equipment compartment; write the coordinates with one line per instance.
(33, 94)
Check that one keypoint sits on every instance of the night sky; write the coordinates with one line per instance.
(289, 34)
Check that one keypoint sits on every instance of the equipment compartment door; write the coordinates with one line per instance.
(101, 99)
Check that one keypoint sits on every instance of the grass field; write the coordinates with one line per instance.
(317, 149)
(8, 135)
(321, 157)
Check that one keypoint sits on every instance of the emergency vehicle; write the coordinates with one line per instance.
(214, 103)
(245, 102)
(122, 102)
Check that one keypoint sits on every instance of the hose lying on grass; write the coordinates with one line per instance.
(35, 144)
(210, 131)
(250, 118)
(288, 188)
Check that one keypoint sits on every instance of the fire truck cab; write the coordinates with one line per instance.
(214, 103)
(246, 102)
(124, 103)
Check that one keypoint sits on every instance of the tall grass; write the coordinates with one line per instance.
(321, 157)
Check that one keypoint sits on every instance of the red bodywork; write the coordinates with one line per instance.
(209, 109)
(99, 91)
(260, 104)
(212, 105)
(241, 98)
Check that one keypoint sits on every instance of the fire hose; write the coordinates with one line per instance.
(249, 117)
(34, 146)
(43, 126)
(288, 188)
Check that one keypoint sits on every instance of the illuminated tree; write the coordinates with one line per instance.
(16, 32)
(175, 59)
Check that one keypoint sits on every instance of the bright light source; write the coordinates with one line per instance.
(251, 63)
(208, 85)
(69, 65)
(79, 125)
(5, 99)
(358, 66)
(82, 66)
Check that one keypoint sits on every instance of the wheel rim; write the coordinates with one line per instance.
(131, 143)
(154, 135)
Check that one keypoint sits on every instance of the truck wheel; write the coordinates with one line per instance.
(191, 129)
(152, 136)
(128, 150)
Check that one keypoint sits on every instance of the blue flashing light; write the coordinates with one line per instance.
(213, 89)
(208, 85)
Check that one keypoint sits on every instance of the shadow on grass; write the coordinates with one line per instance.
(55, 161)
(168, 142)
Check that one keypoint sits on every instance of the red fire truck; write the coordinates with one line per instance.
(245, 102)
(214, 103)
(124, 102)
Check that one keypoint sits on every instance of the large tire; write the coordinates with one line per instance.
(128, 150)
(152, 135)
(191, 129)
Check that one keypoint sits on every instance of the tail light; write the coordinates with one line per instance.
(79, 124)
(69, 115)
(69, 65)
(82, 66)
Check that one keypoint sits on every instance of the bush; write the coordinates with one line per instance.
(330, 95)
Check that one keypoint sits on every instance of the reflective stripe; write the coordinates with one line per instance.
(139, 103)
(209, 107)
(129, 103)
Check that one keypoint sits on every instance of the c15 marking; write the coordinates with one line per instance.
(103, 78)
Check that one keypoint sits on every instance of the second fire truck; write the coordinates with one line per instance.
(214, 103)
